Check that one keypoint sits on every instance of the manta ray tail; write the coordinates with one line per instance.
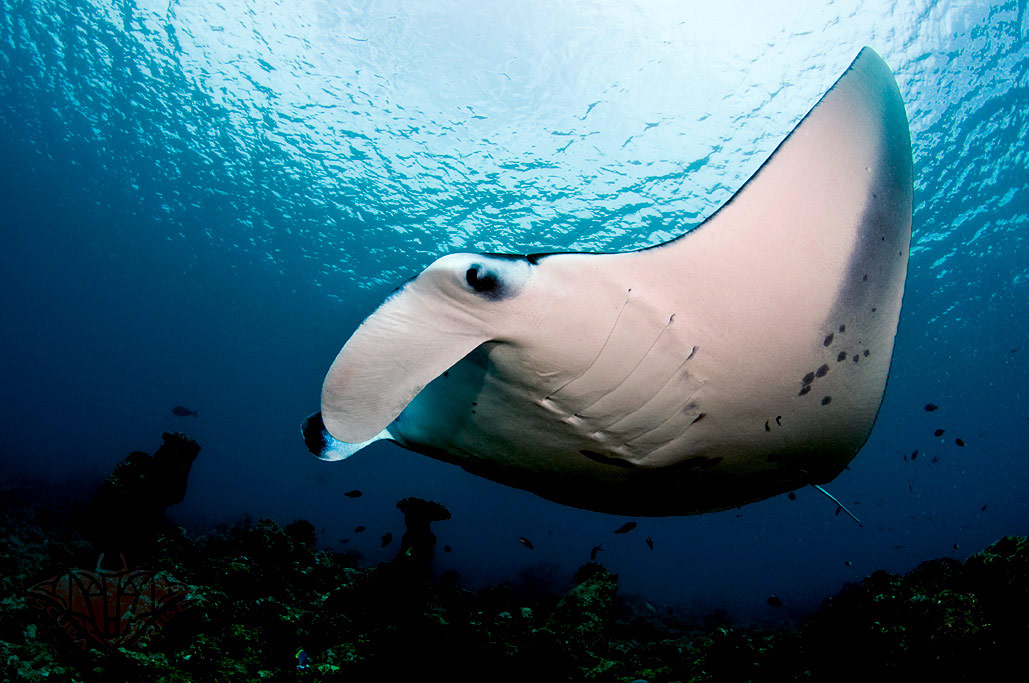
(836, 500)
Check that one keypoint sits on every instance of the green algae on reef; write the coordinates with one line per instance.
(257, 592)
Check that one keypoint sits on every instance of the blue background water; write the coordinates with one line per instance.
(199, 202)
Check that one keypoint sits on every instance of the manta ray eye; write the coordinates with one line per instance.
(481, 280)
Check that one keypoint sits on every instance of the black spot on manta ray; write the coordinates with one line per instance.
(806, 388)
(827, 340)
(826, 400)
(808, 378)
(865, 353)
(778, 420)
(856, 358)
(843, 328)
(822, 371)
(842, 357)
(865, 278)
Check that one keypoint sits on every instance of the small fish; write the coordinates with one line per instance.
(848, 563)
(838, 510)
(387, 538)
(792, 495)
(447, 548)
(526, 542)
(353, 494)
(935, 459)
(358, 529)
(183, 411)
(344, 540)
(960, 442)
(982, 509)
(938, 432)
(930, 407)
(593, 553)
(955, 546)
(914, 454)
(626, 528)
(910, 490)
(774, 601)
(650, 542)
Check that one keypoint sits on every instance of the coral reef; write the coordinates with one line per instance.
(258, 593)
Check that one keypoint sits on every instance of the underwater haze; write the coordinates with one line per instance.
(202, 201)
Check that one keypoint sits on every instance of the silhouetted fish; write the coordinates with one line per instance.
(593, 553)
(792, 496)
(526, 542)
(955, 546)
(447, 548)
(982, 509)
(914, 454)
(930, 407)
(387, 538)
(358, 529)
(960, 442)
(938, 432)
(353, 494)
(650, 542)
(774, 601)
(848, 563)
(183, 411)
(626, 528)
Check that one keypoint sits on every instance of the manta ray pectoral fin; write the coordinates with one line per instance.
(414, 336)
(322, 444)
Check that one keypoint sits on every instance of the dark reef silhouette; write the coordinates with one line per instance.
(258, 593)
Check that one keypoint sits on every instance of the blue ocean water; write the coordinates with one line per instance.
(200, 202)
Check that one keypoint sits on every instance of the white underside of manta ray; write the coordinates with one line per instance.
(741, 360)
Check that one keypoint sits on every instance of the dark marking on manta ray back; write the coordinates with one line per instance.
(827, 340)
(842, 357)
(808, 378)
(607, 460)
(843, 328)
(822, 371)
(806, 388)
(827, 400)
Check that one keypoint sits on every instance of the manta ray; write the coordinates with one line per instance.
(743, 359)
